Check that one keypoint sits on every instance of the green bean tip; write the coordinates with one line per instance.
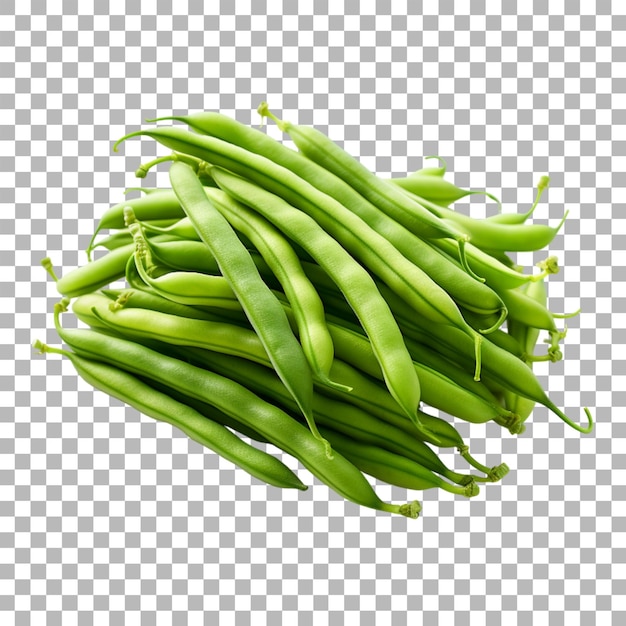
(544, 181)
(264, 111)
(411, 509)
(46, 263)
(472, 489)
(441, 160)
(125, 137)
(498, 472)
(39, 346)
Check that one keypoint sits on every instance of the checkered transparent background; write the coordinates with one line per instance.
(108, 517)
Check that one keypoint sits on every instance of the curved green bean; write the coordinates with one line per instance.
(162, 407)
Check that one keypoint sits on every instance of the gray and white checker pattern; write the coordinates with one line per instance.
(108, 517)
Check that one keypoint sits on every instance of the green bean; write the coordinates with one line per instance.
(505, 369)
(208, 334)
(162, 407)
(527, 336)
(159, 206)
(431, 186)
(455, 281)
(207, 410)
(375, 252)
(346, 418)
(140, 299)
(260, 305)
(282, 260)
(184, 255)
(496, 235)
(352, 279)
(392, 468)
(93, 275)
(520, 218)
(190, 288)
(235, 400)
(322, 150)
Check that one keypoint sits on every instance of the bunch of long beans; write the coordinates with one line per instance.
(295, 298)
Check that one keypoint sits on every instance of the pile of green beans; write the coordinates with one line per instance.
(292, 297)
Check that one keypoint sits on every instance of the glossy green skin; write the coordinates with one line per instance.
(454, 280)
(141, 299)
(393, 468)
(284, 264)
(346, 418)
(529, 311)
(438, 390)
(160, 205)
(527, 335)
(351, 278)
(160, 406)
(181, 331)
(381, 193)
(264, 311)
(494, 235)
(238, 402)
